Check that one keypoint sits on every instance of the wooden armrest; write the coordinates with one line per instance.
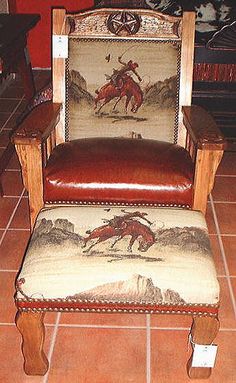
(38, 125)
(202, 128)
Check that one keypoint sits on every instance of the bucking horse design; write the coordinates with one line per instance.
(121, 226)
(121, 84)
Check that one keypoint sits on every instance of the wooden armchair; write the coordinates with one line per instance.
(120, 129)
(120, 133)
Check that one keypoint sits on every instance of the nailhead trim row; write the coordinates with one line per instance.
(169, 307)
(135, 311)
(31, 300)
(85, 203)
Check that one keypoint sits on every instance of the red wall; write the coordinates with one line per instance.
(39, 38)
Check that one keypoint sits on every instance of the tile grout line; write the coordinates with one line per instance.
(226, 235)
(102, 326)
(15, 229)
(12, 113)
(227, 329)
(148, 349)
(225, 202)
(13, 324)
(52, 345)
(171, 328)
(48, 325)
(12, 216)
(14, 196)
(223, 256)
(222, 235)
(231, 329)
(225, 276)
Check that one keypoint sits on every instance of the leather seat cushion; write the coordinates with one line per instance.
(119, 170)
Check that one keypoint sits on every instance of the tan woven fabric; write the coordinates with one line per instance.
(132, 254)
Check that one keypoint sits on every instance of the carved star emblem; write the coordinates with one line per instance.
(123, 23)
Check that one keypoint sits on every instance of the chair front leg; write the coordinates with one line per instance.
(204, 331)
(31, 327)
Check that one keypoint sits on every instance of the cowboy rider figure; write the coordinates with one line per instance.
(117, 76)
(120, 221)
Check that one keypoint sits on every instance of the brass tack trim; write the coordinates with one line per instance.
(60, 309)
(105, 203)
(144, 303)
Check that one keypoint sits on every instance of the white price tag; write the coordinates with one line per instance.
(60, 46)
(204, 355)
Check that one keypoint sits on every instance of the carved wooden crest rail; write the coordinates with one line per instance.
(106, 23)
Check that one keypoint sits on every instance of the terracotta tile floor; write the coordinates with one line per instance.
(93, 348)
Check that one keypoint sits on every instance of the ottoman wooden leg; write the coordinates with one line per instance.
(31, 327)
(204, 331)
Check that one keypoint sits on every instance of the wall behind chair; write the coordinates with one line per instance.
(39, 41)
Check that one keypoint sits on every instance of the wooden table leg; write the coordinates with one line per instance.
(24, 69)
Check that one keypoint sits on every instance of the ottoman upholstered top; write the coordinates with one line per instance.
(130, 256)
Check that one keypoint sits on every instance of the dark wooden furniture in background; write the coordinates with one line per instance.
(215, 80)
(14, 58)
(13, 48)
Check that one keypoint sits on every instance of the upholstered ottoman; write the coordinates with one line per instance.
(116, 259)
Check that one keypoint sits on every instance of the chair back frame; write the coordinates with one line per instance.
(44, 128)
(154, 27)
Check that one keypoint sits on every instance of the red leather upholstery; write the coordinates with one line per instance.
(119, 170)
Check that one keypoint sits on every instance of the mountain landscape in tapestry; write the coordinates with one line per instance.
(126, 252)
(122, 88)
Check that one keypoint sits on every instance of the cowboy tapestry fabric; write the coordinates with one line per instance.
(122, 89)
(133, 254)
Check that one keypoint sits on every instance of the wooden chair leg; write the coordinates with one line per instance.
(31, 327)
(203, 331)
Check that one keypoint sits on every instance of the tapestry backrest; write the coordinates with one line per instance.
(123, 75)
